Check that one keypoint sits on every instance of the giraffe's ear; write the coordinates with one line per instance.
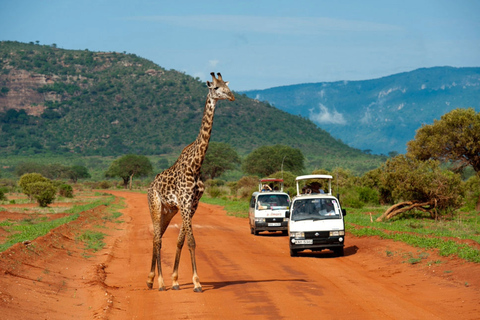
(209, 84)
(226, 83)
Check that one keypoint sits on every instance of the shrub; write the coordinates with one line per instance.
(103, 185)
(214, 183)
(65, 190)
(27, 180)
(472, 193)
(368, 195)
(2, 195)
(43, 191)
(214, 192)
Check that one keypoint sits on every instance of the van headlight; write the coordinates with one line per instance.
(297, 235)
(260, 220)
(337, 233)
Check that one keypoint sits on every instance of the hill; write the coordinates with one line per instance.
(383, 114)
(56, 101)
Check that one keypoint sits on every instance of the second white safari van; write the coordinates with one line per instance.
(268, 207)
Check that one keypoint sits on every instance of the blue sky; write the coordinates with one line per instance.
(260, 44)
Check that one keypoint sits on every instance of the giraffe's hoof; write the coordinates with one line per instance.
(176, 287)
(161, 289)
(149, 285)
(199, 289)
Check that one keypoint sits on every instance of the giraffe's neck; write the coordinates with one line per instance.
(201, 144)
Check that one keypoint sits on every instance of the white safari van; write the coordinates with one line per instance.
(268, 207)
(316, 217)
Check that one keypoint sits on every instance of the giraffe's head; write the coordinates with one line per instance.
(218, 88)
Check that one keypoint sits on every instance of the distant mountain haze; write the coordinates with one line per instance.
(379, 115)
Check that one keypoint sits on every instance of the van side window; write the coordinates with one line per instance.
(252, 202)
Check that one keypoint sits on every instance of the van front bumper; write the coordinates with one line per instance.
(271, 226)
(317, 243)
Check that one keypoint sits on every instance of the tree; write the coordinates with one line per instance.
(454, 138)
(220, 157)
(128, 166)
(77, 172)
(421, 185)
(269, 159)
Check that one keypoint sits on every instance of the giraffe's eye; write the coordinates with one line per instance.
(216, 88)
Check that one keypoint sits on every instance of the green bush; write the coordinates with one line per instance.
(472, 193)
(368, 195)
(103, 185)
(27, 180)
(65, 190)
(214, 183)
(2, 195)
(214, 192)
(43, 191)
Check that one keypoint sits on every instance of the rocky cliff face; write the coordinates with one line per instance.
(23, 94)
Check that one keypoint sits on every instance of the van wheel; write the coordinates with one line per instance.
(255, 232)
(251, 230)
(293, 253)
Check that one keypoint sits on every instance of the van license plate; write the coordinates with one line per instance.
(276, 224)
(307, 241)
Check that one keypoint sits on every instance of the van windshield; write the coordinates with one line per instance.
(273, 202)
(315, 209)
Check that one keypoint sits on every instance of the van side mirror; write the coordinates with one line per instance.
(344, 212)
(287, 214)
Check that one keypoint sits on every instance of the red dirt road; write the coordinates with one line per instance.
(242, 276)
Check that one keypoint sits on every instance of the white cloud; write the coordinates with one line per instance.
(367, 117)
(213, 63)
(324, 116)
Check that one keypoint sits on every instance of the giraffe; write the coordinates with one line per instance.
(179, 188)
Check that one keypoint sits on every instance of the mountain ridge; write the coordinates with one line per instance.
(58, 101)
(381, 114)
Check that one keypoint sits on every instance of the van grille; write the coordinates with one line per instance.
(321, 235)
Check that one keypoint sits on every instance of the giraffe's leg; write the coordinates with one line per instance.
(180, 242)
(191, 248)
(156, 261)
(191, 238)
(160, 219)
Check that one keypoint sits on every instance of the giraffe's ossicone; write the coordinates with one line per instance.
(179, 188)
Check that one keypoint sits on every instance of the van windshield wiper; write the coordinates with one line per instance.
(308, 218)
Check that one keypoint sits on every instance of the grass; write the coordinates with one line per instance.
(38, 225)
(235, 207)
(93, 240)
(29, 229)
(421, 231)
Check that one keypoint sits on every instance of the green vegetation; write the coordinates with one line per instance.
(269, 159)
(38, 224)
(420, 231)
(93, 240)
(220, 158)
(30, 229)
(128, 166)
(37, 187)
(237, 208)
(112, 104)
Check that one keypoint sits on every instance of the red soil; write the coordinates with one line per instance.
(243, 276)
